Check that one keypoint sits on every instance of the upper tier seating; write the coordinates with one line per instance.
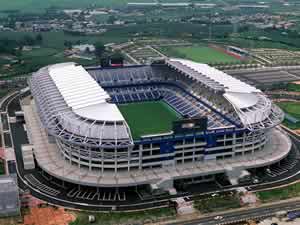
(144, 83)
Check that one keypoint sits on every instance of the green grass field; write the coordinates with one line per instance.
(113, 218)
(219, 203)
(280, 193)
(201, 54)
(50, 52)
(147, 118)
(55, 40)
(293, 87)
(293, 109)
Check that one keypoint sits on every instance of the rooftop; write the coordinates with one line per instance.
(204, 71)
(249, 102)
(77, 106)
(82, 93)
(9, 196)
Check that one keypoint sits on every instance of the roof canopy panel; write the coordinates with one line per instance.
(108, 112)
(241, 100)
(82, 93)
(230, 83)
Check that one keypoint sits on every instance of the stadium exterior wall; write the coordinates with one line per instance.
(124, 154)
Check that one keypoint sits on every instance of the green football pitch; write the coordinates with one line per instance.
(200, 54)
(147, 118)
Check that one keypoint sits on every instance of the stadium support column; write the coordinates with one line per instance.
(63, 182)
(51, 139)
(140, 156)
(194, 152)
(102, 160)
(253, 145)
(79, 164)
(244, 142)
(266, 137)
(128, 158)
(233, 142)
(90, 159)
(116, 161)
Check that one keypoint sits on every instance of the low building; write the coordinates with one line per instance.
(84, 47)
(9, 197)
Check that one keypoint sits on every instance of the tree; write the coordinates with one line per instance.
(28, 40)
(87, 50)
(68, 44)
(117, 56)
(39, 38)
(111, 19)
(99, 49)
(104, 60)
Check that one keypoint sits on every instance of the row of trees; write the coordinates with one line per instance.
(9, 46)
(106, 57)
(30, 40)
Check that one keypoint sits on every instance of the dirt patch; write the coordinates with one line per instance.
(296, 82)
(11, 221)
(48, 216)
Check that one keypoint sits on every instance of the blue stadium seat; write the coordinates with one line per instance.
(132, 84)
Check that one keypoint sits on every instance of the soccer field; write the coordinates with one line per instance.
(200, 54)
(148, 117)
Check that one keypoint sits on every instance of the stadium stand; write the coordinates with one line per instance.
(89, 142)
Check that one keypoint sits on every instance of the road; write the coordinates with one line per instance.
(242, 215)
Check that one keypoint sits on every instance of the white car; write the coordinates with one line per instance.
(218, 217)
(255, 181)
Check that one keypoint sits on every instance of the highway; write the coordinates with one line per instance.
(242, 215)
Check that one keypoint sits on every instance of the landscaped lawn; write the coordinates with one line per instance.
(293, 109)
(218, 203)
(293, 87)
(124, 218)
(280, 193)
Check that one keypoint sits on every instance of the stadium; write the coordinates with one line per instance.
(149, 125)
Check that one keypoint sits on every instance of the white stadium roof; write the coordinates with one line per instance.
(230, 83)
(82, 93)
(249, 102)
(238, 93)
(241, 100)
